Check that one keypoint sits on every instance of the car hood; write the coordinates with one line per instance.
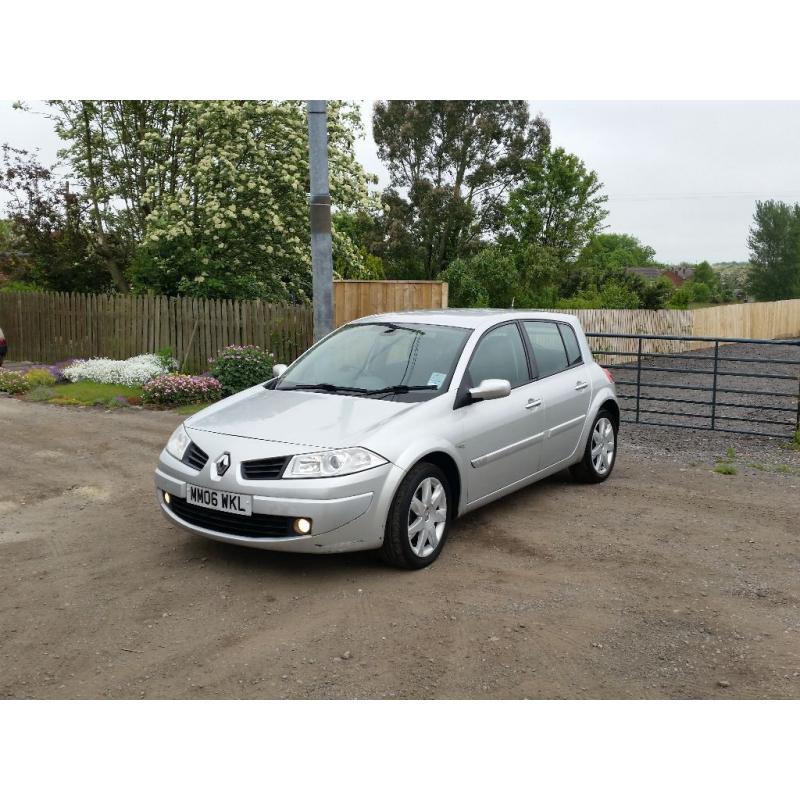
(310, 419)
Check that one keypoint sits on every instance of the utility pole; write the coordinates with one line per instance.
(321, 244)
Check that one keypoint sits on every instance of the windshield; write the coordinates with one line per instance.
(396, 361)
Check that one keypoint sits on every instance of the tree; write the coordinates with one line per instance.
(610, 254)
(451, 164)
(487, 279)
(48, 239)
(654, 294)
(774, 243)
(606, 257)
(614, 294)
(208, 198)
(558, 204)
(363, 230)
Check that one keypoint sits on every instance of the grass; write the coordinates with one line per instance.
(786, 469)
(725, 469)
(85, 393)
(88, 393)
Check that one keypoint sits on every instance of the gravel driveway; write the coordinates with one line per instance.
(668, 581)
(744, 402)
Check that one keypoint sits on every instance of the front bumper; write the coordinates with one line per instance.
(347, 513)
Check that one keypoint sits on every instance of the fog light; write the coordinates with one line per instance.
(167, 498)
(302, 525)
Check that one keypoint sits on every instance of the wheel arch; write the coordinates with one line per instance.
(612, 406)
(448, 465)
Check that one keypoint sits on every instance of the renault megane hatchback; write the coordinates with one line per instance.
(389, 428)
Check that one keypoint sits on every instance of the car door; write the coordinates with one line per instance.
(500, 437)
(563, 383)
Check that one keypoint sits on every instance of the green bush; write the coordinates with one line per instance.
(242, 366)
(167, 359)
(40, 377)
(12, 382)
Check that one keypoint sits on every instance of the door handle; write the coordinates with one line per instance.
(581, 385)
(533, 402)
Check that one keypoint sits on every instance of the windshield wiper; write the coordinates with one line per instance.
(402, 388)
(324, 387)
(393, 326)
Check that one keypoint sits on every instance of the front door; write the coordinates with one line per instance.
(502, 437)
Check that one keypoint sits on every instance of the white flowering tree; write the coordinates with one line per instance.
(212, 195)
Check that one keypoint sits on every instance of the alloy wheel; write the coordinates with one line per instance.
(603, 445)
(427, 517)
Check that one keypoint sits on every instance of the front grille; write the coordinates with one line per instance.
(255, 526)
(194, 457)
(264, 469)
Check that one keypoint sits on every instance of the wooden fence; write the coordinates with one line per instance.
(354, 299)
(625, 320)
(778, 320)
(51, 326)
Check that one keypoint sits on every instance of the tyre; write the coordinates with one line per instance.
(419, 518)
(600, 454)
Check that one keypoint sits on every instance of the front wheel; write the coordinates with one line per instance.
(418, 519)
(600, 453)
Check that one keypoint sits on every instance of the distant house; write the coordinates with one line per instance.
(676, 275)
(681, 273)
(648, 273)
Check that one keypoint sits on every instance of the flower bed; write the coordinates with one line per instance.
(41, 376)
(175, 390)
(132, 372)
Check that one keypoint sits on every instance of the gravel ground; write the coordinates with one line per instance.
(667, 581)
(700, 446)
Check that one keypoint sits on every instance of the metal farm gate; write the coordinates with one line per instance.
(748, 386)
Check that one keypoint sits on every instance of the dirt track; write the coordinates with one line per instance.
(663, 582)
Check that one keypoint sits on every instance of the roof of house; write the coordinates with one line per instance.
(649, 273)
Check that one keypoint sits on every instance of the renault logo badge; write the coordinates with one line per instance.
(222, 463)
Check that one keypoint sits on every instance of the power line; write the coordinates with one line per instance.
(706, 195)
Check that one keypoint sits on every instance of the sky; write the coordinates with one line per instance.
(683, 177)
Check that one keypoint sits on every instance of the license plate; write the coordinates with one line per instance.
(219, 500)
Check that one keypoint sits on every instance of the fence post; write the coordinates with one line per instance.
(797, 421)
(714, 388)
(638, 377)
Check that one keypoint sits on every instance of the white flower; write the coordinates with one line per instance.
(130, 372)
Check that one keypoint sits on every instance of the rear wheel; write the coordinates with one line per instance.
(600, 453)
(418, 518)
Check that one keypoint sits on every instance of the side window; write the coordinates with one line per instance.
(548, 348)
(571, 343)
(500, 354)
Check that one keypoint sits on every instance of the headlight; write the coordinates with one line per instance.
(332, 462)
(178, 442)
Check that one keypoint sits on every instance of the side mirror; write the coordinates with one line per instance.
(278, 370)
(490, 389)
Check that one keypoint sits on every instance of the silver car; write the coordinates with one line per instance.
(388, 429)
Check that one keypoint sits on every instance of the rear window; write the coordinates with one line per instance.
(548, 347)
(571, 343)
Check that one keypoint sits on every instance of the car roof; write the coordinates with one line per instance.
(477, 318)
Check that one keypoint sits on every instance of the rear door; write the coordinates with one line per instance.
(501, 437)
(563, 383)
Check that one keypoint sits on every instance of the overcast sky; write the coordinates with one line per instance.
(681, 176)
